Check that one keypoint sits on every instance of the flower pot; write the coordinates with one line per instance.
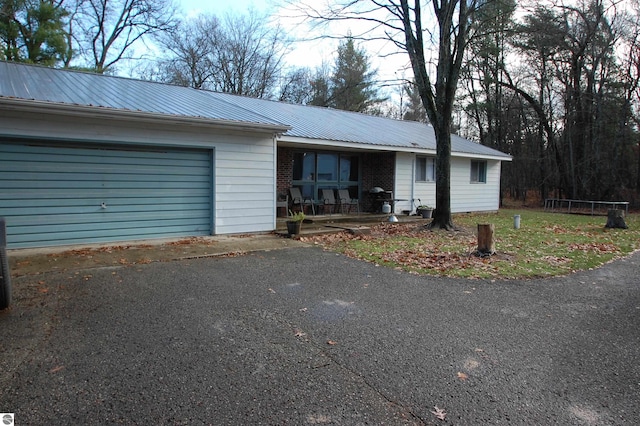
(426, 213)
(293, 227)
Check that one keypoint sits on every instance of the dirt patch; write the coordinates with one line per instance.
(32, 262)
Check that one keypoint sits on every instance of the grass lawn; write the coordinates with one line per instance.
(546, 244)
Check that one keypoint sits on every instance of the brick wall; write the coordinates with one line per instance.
(378, 169)
(284, 174)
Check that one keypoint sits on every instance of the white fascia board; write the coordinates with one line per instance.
(292, 141)
(41, 107)
(506, 157)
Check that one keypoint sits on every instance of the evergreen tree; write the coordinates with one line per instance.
(415, 109)
(352, 84)
(32, 31)
(320, 87)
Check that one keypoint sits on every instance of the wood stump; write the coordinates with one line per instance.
(486, 242)
(615, 219)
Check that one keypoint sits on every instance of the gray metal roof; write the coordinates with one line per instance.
(307, 122)
(76, 88)
(343, 126)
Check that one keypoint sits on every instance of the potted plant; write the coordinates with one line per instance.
(294, 221)
(425, 211)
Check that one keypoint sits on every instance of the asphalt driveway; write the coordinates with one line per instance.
(302, 336)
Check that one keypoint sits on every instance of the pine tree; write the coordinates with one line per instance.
(352, 84)
(32, 31)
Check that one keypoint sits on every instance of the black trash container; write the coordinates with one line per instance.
(5, 274)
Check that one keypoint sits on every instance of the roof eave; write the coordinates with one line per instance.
(331, 144)
(88, 111)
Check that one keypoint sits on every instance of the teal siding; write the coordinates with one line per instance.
(53, 195)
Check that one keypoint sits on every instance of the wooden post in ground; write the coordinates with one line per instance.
(486, 242)
(615, 219)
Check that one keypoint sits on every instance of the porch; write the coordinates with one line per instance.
(327, 224)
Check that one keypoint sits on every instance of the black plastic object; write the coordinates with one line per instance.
(5, 274)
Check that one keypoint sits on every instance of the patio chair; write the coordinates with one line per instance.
(346, 200)
(328, 200)
(298, 200)
(282, 203)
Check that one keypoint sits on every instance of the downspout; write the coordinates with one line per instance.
(413, 182)
(274, 201)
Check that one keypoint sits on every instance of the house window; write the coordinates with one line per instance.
(313, 171)
(478, 171)
(425, 169)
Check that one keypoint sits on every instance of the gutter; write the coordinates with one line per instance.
(297, 141)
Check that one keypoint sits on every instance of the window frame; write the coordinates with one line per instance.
(313, 184)
(429, 163)
(479, 175)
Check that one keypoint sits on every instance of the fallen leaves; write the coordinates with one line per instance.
(439, 413)
(406, 255)
(462, 376)
(594, 247)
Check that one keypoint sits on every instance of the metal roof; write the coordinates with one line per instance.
(36, 83)
(320, 123)
(29, 82)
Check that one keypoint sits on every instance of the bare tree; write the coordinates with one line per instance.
(108, 29)
(403, 24)
(296, 86)
(250, 56)
(192, 61)
(236, 54)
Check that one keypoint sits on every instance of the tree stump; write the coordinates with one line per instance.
(615, 219)
(486, 242)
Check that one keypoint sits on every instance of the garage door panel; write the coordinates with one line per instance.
(119, 205)
(98, 236)
(98, 174)
(50, 196)
(108, 195)
(52, 227)
(84, 184)
(100, 154)
(110, 213)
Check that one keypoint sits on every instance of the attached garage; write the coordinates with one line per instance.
(88, 158)
(56, 195)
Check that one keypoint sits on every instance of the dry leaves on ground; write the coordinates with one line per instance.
(427, 256)
(439, 413)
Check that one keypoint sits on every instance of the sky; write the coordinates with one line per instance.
(309, 54)
(223, 6)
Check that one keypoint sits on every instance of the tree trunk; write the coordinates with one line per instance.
(486, 242)
(615, 219)
(442, 214)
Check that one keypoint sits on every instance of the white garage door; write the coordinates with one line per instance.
(52, 195)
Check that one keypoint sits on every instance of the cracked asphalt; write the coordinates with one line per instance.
(302, 336)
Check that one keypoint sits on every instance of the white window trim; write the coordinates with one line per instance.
(428, 161)
(475, 178)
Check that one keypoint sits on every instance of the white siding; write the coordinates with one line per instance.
(474, 197)
(403, 182)
(408, 188)
(244, 173)
(465, 196)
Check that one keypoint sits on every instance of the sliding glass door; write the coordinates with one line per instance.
(314, 171)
